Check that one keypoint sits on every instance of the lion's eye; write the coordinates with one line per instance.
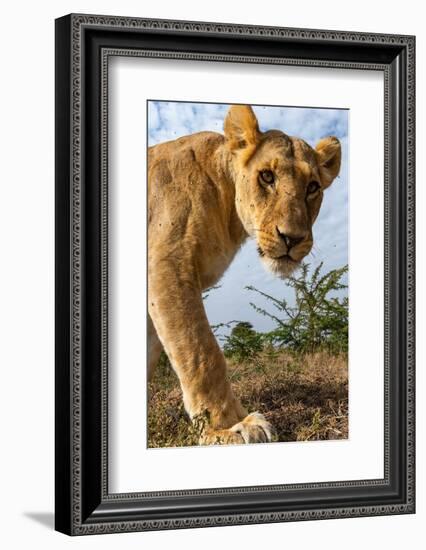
(313, 187)
(267, 176)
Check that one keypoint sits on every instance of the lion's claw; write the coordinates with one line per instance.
(254, 428)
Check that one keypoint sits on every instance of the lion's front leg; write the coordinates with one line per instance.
(179, 317)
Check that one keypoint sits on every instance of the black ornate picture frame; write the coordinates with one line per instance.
(84, 44)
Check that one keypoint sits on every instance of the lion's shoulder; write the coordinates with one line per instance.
(201, 143)
(187, 162)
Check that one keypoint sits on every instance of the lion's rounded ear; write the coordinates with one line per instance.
(241, 128)
(329, 154)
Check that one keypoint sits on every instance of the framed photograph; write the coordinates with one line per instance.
(234, 274)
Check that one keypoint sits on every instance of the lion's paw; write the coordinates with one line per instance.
(254, 428)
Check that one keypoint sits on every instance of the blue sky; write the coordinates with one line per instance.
(170, 120)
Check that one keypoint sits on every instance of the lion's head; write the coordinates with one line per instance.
(279, 182)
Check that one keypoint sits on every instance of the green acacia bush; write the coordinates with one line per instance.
(316, 321)
(243, 342)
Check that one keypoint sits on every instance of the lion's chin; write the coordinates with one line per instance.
(281, 267)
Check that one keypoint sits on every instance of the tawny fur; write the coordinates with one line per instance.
(205, 198)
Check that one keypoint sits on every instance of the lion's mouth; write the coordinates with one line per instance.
(285, 257)
(282, 266)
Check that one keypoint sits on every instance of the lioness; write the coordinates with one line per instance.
(207, 193)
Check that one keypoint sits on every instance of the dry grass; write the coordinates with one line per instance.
(304, 397)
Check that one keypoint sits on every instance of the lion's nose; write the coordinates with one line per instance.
(290, 240)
